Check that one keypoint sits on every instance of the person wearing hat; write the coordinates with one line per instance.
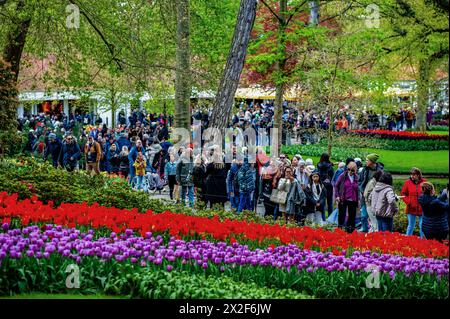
(31, 141)
(358, 162)
(93, 152)
(53, 148)
(310, 169)
(365, 175)
(301, 174)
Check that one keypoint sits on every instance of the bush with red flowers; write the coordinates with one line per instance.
(398, 135)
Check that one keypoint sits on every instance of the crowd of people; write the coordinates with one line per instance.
(293, 189)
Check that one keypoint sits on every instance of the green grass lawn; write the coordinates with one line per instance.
(438, 132)
(400, 162)
(439, 183)
(429, 162)
(59, 296)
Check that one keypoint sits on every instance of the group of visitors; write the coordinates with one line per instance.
(289, 188)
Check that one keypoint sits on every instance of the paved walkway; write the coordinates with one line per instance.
(165, 197)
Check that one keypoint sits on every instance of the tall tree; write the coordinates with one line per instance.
(9, 73)
(182, 74)
(416, 34)
(224, 100)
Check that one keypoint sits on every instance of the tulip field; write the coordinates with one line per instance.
(124, 252)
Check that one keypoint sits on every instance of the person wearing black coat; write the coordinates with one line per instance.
(198, 174)
(53, 148)
(312, 205)
(70, 153)
(159, 162)
(435, 214)
(215, 182)
(326, 173)
(113, 158)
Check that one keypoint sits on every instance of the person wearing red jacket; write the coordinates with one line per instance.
(411, 191)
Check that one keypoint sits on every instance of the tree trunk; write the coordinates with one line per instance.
(224, 100)
(280, 74)
(9, 74)
(423, 92)
(314, 13)
(330, 129)
(16, 38)
(182, 76)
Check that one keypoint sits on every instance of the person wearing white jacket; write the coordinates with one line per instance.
(384, 202)
(367, 191)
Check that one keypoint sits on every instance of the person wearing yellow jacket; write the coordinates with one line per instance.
(139, 166)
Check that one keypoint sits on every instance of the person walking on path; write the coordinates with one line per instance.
(170, 174)
(315, 198)
(347, 197)
(215, 180)
(384, 202)
(124, 166)
(184, 177)
(266, 186)
(70, 153)
(411, 191)
(138, 148)
(139, 165)
(53, 148)
(365, 175)
(113, 158)
(369, 188)
(93, 153)
(326, 172)
(435, 213)
(233, 184)
(246, 180)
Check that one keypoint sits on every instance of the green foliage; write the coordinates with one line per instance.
(439, 128)
(353, 141)
(29, 275)
(316, 150)
(33, 177)
(398, 162)
(190, 281)
(27, 177)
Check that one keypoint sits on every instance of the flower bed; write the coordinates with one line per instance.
(117, 220)
(398, 135)
(321, 274)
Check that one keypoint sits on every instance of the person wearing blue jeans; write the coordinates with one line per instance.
(190, 193)
(385, 224)
(245, 202)
(138, 148)
(412, 225)
(234, 200)
(411, 191)
(364, 218)
(246, 177)
(140, 181)
(233, 186)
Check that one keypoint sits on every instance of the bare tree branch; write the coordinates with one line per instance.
(339, 14)
(296, 10)
(271, 10)
(110, 46)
